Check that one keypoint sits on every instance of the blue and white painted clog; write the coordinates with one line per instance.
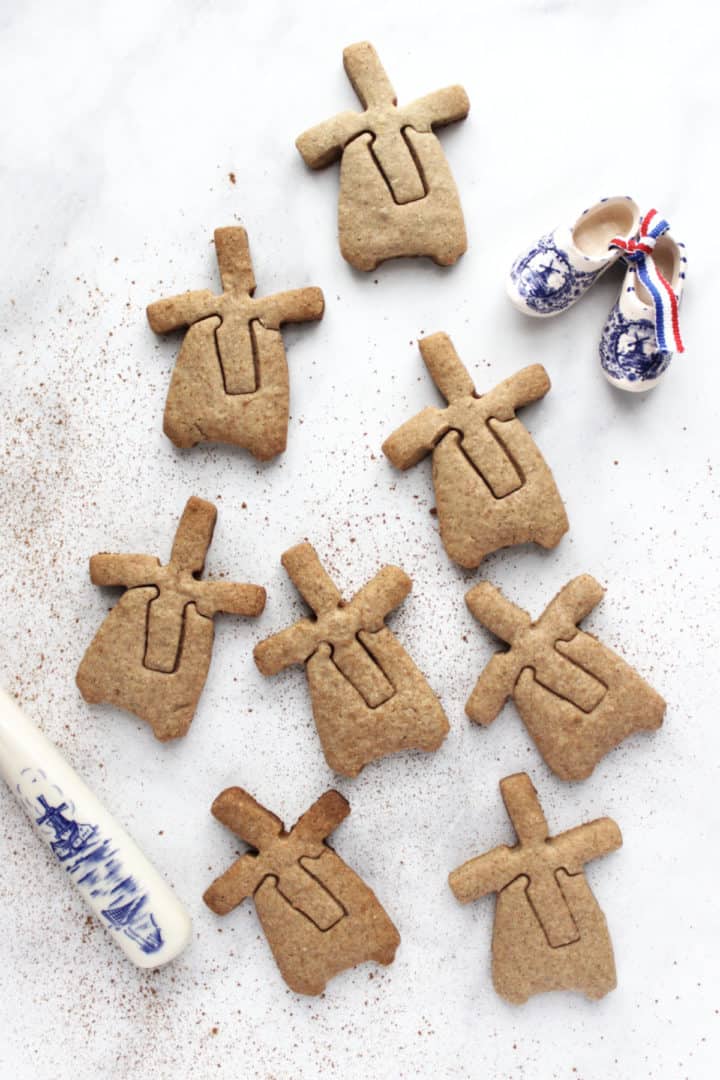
(557, 270)
(642, 332)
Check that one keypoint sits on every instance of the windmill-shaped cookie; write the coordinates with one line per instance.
(230, 382)
(577, 698)
(319, 917)
(152, 653)
(492, 485)
(397, 195)
(549, 932)
(368, 697)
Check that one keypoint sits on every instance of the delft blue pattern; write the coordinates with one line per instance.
(545, 279)
(629, 350)
(92, 861)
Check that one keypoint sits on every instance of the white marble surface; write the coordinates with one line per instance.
(120, 127)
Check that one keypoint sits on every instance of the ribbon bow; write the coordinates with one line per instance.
(639, 252)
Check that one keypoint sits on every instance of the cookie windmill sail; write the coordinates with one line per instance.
(152, 653)
(319, 917)
(368, 697)
(549, 933)
(230, 382)
(397, 194)
(577, 698)
(492, 485)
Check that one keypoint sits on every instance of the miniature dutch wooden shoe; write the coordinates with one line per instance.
(642, 331)
(557, 270)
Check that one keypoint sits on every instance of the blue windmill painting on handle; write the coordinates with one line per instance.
(92, 860)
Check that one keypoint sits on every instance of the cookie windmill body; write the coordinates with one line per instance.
(230, 382)
(492, 485)
(368, 697)
(549, 932)
(397, 195)
(319, 917)
(152, 653)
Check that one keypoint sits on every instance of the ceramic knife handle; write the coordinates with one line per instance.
(117, 882)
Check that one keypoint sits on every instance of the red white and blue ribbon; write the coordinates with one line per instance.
(640, 253)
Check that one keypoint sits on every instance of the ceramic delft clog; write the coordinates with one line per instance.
(562, 265)
(642, 331)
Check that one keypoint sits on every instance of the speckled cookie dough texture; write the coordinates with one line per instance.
(577, 698)
(492, 485)
(230, 382)
(319, 917)
(397, 195)
(152, 653)
(549, 932)
(368, 697)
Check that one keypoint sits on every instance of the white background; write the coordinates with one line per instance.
(120, 126)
